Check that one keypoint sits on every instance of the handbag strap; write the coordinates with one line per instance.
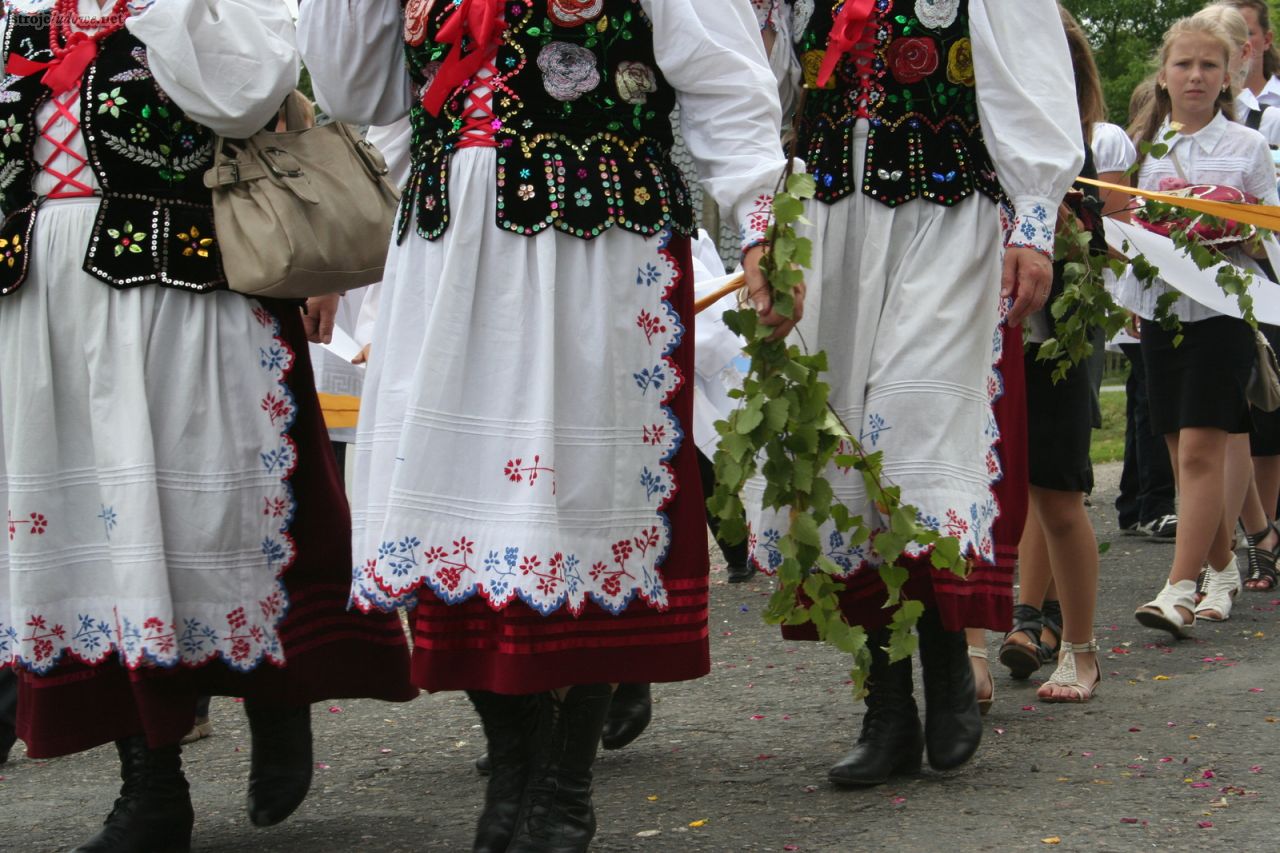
(229, 171)
(1177, 165)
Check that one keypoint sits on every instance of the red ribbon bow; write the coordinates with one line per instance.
(846, 33)
(63, 73)
(481, 23)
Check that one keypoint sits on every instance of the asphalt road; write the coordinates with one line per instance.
(1180, 749)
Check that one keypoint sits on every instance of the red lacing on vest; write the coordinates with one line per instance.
(67, 186)
(479, 122)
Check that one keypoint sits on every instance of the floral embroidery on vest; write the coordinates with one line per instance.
(917, 94)
(581, 123)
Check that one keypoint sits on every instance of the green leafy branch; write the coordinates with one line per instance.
(1085, 305)
(786, 430)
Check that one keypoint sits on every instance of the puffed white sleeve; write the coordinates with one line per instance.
(1260, 181)
(354, 50)
(1113, 150)
(227, 63)
(1027, 105)
(713, 54)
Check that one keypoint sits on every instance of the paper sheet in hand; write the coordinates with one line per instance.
(1181, 272)
(343, 346)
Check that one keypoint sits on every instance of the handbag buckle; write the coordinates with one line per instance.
(372, 157)
(228, 172)
(281, 163)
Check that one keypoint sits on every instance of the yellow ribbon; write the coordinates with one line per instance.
(1260, 215)
(340, 411)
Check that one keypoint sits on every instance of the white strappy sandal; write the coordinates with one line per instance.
(1220, 591)
(1162, 612)
(1067, 676)
(984, 705)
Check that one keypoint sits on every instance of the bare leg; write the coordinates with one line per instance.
(1266, 491)
(1035, 576)
(1200, 455)
(985, 686)
(1238, 482)
(1266, 475)
(1251, 514)
(1073, 556)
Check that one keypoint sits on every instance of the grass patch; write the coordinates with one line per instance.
(1108, 442)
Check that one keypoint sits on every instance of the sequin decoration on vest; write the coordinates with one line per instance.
(910, 75)
(155, 222)
(571, 97)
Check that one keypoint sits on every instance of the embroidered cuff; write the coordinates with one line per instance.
(754, 216)
(1033, 226)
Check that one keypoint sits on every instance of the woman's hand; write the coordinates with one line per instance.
(318, 317)
(362, 357)
(760, 295)
(1028, 275)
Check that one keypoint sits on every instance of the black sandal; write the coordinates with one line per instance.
(1020, 657)
(1262, 563)
(1051, 613)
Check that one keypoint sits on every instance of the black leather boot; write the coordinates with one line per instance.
(629, 715)
(891, 741)
(8, 712)
(153, 812)
(509, 722)
(280, 762)
(952, 721)
(557, 815)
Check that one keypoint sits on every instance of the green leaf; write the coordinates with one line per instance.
(747, 420)
(902, 646)
(805, 530)
(777, 414)
(802, 185)
(787, 209)
(894, 578)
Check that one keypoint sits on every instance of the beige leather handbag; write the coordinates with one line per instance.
(302, 212)
(1263, 390)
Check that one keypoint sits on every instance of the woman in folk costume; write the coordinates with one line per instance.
(525, 473)
(176, 524)
(923, 120)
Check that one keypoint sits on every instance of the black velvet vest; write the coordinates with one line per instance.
(925, 139)
(582, 124)
(155, 221)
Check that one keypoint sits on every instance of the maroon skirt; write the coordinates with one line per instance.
(516, 650)
(331, 652)
(983, 599)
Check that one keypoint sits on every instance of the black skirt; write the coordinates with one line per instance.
(1059, 426)
(1200, 383)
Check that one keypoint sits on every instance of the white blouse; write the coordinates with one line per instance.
(1113, 150)
(710, 52)
(1270, 93)
(227, 63)
(1269, 125)
(1027, 104)
(1221, 152)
